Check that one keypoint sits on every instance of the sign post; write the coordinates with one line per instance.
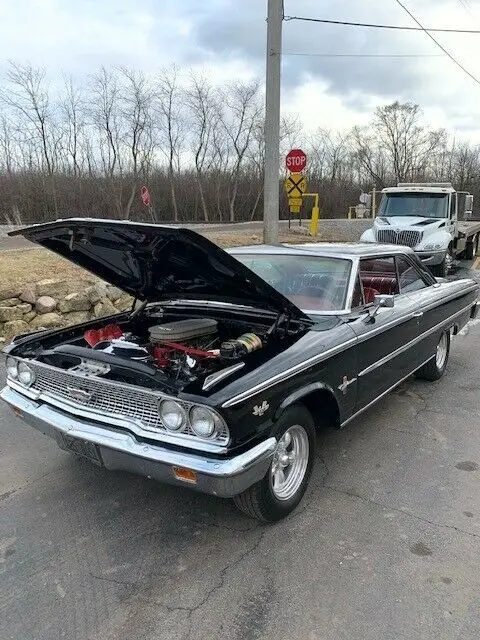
(271, 199)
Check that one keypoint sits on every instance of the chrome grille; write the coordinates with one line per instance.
(405, 238)
(105, 397)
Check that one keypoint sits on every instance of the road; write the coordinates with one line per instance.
(386, 544)
(17, 242)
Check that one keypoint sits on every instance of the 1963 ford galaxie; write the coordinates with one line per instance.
(228, 362)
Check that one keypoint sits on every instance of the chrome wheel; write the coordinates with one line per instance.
(442, 352)
(289, 463)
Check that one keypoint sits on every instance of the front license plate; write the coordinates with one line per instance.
(82, 448)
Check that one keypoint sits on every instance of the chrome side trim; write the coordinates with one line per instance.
(412, 314)
(449, 298)
(214, 378)
(384, 393)
(261, 386)
(412, 343)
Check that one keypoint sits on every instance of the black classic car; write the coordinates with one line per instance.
(228, 361)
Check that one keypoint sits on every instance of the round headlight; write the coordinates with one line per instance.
(12, 368)
(203, 422)
(25, 374)
(173, 415)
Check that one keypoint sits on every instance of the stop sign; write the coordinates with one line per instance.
(296, 160)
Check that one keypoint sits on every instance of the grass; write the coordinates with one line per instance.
(18, 268)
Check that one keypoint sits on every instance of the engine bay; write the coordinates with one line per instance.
(181, 349)
(167, 351)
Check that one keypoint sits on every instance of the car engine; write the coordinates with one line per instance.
(183, 349)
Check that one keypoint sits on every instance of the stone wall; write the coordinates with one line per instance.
(50, 304)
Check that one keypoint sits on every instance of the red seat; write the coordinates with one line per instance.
(369, 294)
(386, 285)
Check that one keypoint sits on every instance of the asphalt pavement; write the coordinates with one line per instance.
(386, 544)
(17, 243)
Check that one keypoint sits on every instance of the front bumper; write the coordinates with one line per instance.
(224, 477)
(430, 258)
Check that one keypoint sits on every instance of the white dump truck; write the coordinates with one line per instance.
(434, 219)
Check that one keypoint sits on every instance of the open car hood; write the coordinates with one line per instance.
(156, 263)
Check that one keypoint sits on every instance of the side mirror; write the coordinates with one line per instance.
(380, 301)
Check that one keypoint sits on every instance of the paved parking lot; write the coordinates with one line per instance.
(386, 544)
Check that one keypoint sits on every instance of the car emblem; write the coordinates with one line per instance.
(345, 384)
(79, 394)
(260, 409)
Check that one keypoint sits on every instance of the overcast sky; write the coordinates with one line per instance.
(226, 39)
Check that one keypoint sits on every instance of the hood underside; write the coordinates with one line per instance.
(156, 263)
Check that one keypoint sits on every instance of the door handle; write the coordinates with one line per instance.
(418, 314)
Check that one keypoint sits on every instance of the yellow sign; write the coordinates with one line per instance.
(295, 202)
(295, 185)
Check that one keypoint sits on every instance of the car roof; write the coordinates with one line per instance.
(329, 249)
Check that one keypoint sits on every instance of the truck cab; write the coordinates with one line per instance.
(425, 217)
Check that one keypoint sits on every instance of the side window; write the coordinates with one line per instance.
(378, 276)
(409, 278)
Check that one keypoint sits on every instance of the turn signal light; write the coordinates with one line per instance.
(186, 475)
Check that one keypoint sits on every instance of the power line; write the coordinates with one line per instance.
(440, 46)
(363, 55)
(378, 26)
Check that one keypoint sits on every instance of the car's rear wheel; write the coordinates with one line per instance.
(435, 368)
(283, 487)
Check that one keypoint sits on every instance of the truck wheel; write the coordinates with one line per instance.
(283, 487)
(471, 249)
(443, 269)
(435, 368)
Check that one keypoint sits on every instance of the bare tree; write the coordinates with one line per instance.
(105, 117)
(172, 122)
(6, 144)
(73, 109)
(369, 156)
(136, 101)
(28, 95)
(205, 115)
(241, 116)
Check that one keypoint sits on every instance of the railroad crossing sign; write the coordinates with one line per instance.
(295, 185)
(296, 160)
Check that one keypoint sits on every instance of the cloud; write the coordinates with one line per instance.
(226, 39)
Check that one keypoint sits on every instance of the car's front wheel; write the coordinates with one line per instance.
(282, 488)
(443, 269)
(435, 368)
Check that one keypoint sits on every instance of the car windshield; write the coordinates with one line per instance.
(426, 205)
(312, 283)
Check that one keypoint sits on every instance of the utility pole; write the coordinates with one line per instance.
(271, 200)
